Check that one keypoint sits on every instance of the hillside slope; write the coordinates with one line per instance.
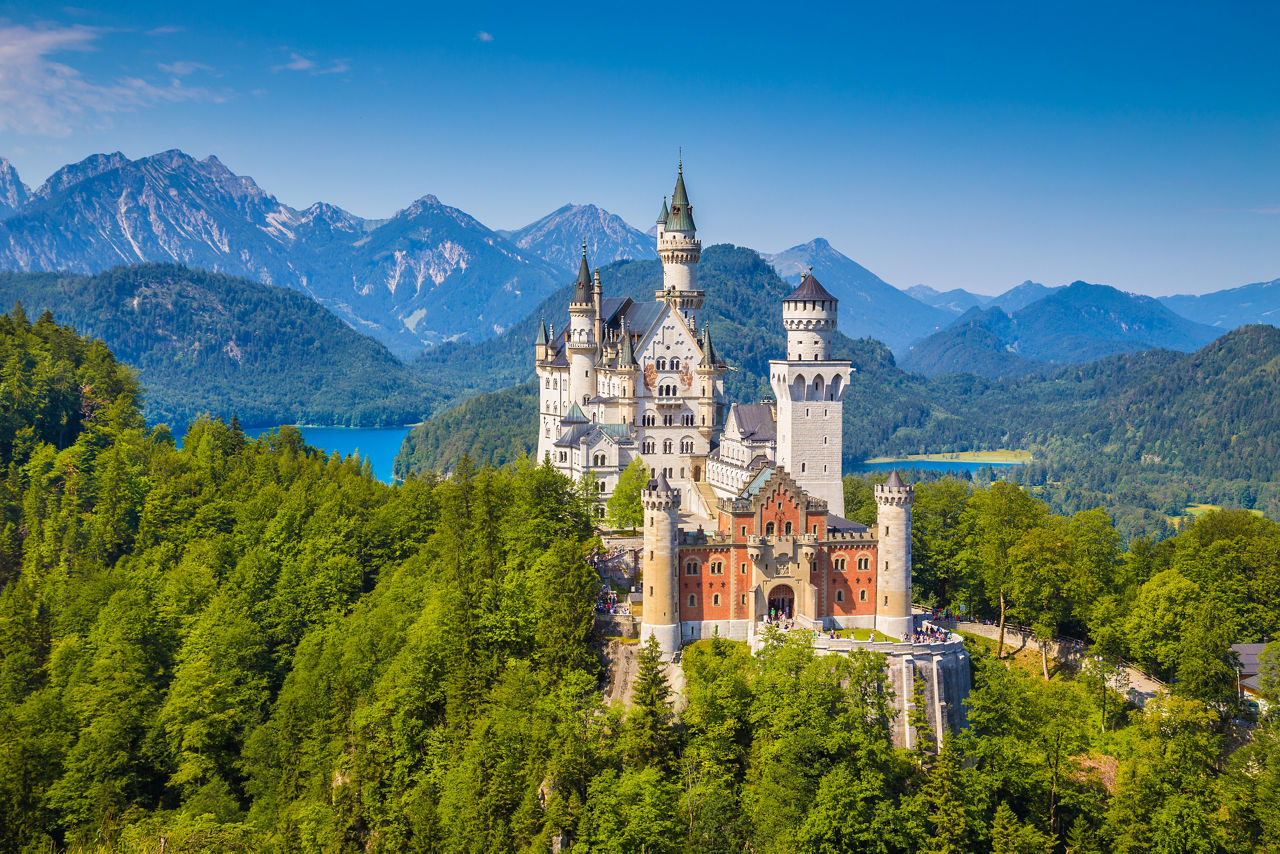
(205, 342)
(869, 306)
(1076, 324)
(1255, 303)
(557, 238)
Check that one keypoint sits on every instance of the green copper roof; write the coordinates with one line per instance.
(575, 416)
(543, 337)
(662, 217)
(681, 218)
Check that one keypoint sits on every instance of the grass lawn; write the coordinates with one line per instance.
(865, 635)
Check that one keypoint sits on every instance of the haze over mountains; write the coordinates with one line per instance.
(432, 273)
(1070, 325)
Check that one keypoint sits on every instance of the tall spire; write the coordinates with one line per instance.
(662, 217)
(708, 352)
(543, 337)
(681, 218)
(627, 356)
(582, 287)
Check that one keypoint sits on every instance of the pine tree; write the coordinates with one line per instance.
(647, 739)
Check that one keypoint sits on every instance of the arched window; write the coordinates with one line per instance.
(768, 529)
(797, 388)
(666, 446)
(599, 486)
(862, 595)
(650, 419)
(787, 529)
(691, 568)
(715, 600)
(693, 600)
(839, 595)
(819, 387)
(675, 364)
(647, 447)
(662, 364)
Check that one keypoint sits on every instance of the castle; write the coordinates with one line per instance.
(627, 379)
(744, 512)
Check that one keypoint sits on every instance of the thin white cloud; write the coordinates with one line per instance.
(182, 68)
(482, 36)
(39, 95)
(298, 62)
(1267, 211)
(163, 31)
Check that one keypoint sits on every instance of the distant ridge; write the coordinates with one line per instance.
(1076, 324)
(1256, 303)
(557, 238)
(869, 306)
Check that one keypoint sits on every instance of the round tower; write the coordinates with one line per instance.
(581, 340)
(660, 564)
(893, 584)
(809, 316)
(679, 248)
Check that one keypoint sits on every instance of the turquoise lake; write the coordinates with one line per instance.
(931, 465)
(379, 444)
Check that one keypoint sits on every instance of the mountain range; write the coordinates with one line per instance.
(1077, 323)
(432, 274)
(869, 306)
(429, 273)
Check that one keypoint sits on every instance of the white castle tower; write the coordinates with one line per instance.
(679, 248)
(660, 565)
(809, 387)
(893, 523)
(582, 339)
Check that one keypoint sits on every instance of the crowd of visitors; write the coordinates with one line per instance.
(931, 635)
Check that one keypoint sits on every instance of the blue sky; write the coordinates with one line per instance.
(958, 145)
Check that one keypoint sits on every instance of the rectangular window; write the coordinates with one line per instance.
(744, 530)
(744, 569)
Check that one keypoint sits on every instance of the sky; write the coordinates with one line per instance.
(971, 145)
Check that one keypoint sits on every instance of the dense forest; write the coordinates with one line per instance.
(252, 646)
(1146, 434)
(209, 343)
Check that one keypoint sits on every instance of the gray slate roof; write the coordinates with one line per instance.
(810, 289)
(755, 421)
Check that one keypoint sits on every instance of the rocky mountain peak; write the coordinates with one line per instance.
(13, 193)
(91, 167)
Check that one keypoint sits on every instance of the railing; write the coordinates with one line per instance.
(1029, 633)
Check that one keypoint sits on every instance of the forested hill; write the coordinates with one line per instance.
(251, 646)
(208, 343)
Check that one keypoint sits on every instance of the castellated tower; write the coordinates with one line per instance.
(809, 387)
(660, 565)
(893, 524)
(679, 248)
(582, 338)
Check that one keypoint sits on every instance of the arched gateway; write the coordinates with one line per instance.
(782, 603)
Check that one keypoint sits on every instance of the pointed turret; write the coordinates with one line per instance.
(708, 351)
(681, 216)
(582, 287)
(544, 337)
(662, 217)
(626, 356)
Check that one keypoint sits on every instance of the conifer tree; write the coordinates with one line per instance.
(648, 729)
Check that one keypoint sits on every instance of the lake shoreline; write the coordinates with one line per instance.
(1001, 458)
